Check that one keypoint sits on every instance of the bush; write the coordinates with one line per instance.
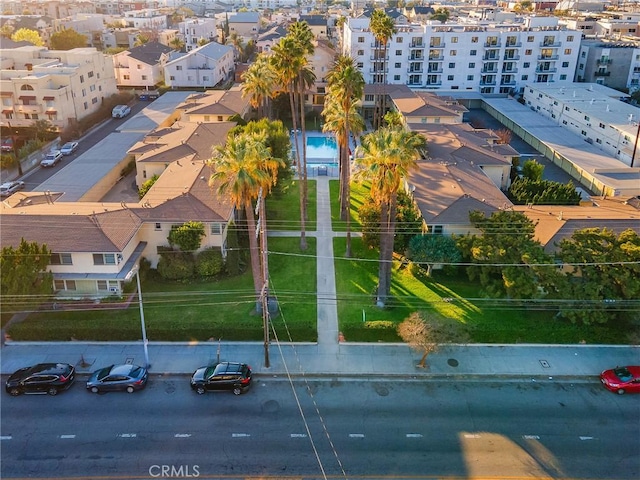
(543, 192)
(174, 265)
(30, 147)
(144, 188)
(209, 262)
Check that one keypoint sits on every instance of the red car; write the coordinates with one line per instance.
(622, 379)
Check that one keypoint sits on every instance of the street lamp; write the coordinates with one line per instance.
(136, 271)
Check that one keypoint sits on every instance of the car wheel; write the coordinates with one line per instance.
(14, 392)
(94, 390)
(52, 391)
(620, 391)
(130, 389)
(237, 390)
(200, 390)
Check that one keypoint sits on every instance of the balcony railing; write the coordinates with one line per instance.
(434, 83)
(378, 58)
(511, 57)
(415, 59)
(415, 70)
(488, 82)
(550, 44)
(547, 57)
(438, 45)
(434, 70)
(603, 61)
(416, 45)
(492, 45)
(510, 70)
(508, 82)
(378, 70)
(602, 74)
(29, 108)
(513, 44)
(436, 59)
(489, 70)
(490, 58)
(546, 70)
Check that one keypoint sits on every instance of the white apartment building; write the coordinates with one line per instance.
(192, 30)
(55, 85)
(142, 66)
(592, 111)
(204, 66)
(149, 19)
(480, 56)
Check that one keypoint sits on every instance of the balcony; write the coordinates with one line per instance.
(417, 45)
(492, 45)
(489, 69)
(378, 58)
(378, 70)
(438, 45)
(544, 58)
(513, 45)
(434, 70)
(602, 74)
(413, 58)
(603, 61)
(434, 83)
(488, 82)
(511, 57)
(546, 70)
(550, 44)
(508, 82)
(510, 70)
(490, 58)
(436, 59)
(415, 70)
(31, 109)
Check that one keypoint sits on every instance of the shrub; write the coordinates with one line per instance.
(144, 188)
(187, 237)
(174, 265)
(209, 262)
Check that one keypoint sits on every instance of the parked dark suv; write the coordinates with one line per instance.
(222, 376)
(41, 378)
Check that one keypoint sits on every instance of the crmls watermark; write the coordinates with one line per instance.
(174, 471)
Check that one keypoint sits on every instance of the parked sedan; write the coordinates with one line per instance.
(622, 379)
(68, 148)
(118, 377)
(42, 378)
(222, 376)
(51, 159)
(9, 188)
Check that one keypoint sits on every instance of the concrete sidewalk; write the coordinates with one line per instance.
(517, 362)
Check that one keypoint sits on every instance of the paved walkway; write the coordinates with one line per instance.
(329, 356)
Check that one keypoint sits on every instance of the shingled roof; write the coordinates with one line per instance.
(149, 53)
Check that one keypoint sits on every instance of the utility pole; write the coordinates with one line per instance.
(264, 295)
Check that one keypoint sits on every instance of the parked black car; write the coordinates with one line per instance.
(118, 377)
(222, 376)
(42, 378)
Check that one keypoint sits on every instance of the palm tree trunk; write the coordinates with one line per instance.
(383, 100)
(304, 186)
(382, 268)
(256, 270)
(294, 120)
(348, 250)
(344, 174)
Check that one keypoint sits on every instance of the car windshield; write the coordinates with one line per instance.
(102, 373)
(135, 372)
(623, 374)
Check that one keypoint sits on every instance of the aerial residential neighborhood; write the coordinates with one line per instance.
(405, 236)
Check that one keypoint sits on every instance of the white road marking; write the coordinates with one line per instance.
(298, 435)
(356, 435)
(586, 438)
(127, 435)
(471, 435)
(240, 435)
(531, 437)
(182, 435)
(5, 437)
(67, 436)
(414, 435)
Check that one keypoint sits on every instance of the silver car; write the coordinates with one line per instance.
(51, 159)
(118, 377)
(9, 188)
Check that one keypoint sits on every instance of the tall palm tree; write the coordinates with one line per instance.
(341, 123)
(286, 60)
(345, 86)
(241, 168)
(258, 82)
(177, 43)
(386, 157)
(383, 28)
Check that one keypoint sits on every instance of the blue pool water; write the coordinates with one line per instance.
(321, 149)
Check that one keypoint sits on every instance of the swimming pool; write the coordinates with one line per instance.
(321, 149)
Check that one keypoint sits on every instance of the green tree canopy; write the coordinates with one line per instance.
(24, 277)
(144, 188)
(441, 15)
(432, 249)
(41, 130)
(28, 35)
(543, 192)
(67, 39)
(187, 237)
(532, 170)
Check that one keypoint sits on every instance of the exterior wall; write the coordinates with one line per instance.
(499, 174)
(131, 72)
(466, 57)
(198, 70)
(612, 64)
(58, 86)
(193, 29)
(148, 170)
(450, 119)
(247, 30)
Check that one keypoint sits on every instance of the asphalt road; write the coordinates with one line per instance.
(331, 428)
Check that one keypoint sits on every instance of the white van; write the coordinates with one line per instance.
(120, 111)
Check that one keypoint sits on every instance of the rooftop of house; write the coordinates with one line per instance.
(149, 53)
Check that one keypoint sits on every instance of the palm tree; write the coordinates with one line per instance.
(382, 27)
(242, 168)
(177, 43)
(286, 60)
(258, 82)
(387, 156)
(341, 123)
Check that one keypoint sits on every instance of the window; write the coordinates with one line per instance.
(601, 125)
(360, 39)
(454, 39)
(368, 98)
(360, 53)
(527, 52)
(563, 77)
(205, 78)
(64, 284)
(453, 53)
(144, 77)
(104, 259)
(126, 77)
(158, 226)
(452, 65)
(567, 51)
(398, 53)
(216, 228)
(396, 78)
(220, 118)
(139, 66)
(398, 65)
(81, 78)
(398, 39)
(473, 53)
(530, 38)
(178, 67)
(525, 77)
(94, 100)
(565, 64)
(598, 140)
(450, 78)
(526, 65)
(86, 105)
(472, 65)
(584, 134)
(470, 78)
(360, 65)
(569, 38)
(586, 117)
(474, 39)
(171, 77)
(60, 259)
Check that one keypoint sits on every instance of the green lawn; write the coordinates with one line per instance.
(361, 320)
(283, 213)
(359, 193)
(193, 311)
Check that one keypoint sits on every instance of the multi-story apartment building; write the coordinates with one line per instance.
(469, 55)
(192, 30)
(49, 8)
(592, 111)
(141, 67)
(204, 66)
(59, 86)
(611, 63)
